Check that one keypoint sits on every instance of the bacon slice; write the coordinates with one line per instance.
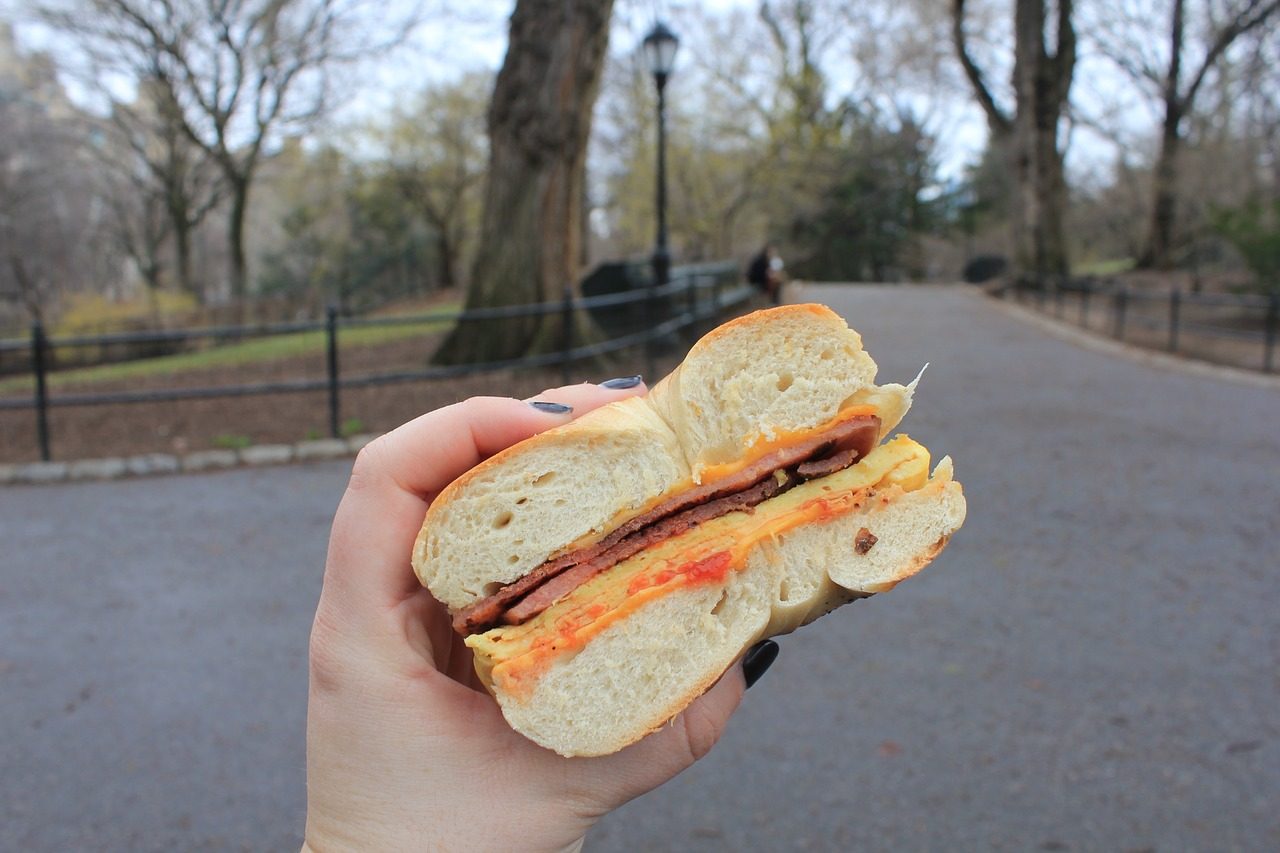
(850, 440)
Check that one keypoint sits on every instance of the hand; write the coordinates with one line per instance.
(405, 751)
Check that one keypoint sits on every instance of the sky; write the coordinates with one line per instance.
(457, 38)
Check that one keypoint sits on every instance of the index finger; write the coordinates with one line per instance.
(396, 476)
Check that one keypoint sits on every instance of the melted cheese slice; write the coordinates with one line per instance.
(515, 655)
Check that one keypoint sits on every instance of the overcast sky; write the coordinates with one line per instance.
(460, 37)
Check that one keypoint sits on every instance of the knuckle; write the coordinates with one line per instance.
(701, 731)
(325, 659)
(364, 472)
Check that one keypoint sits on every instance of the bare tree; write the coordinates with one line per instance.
(539, 121)
(47, 204)
(1027, 134)
(163, 185)
(1176, 79)
(237, 71)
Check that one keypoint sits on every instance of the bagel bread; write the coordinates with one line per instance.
(607, 572)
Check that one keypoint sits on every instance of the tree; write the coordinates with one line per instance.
(48, 227)
(337, 235)
(539, 121)
(1176, 80)
(862, 224)
(435, 162)
(162, 185)
(238, 72)
(1027, 135)
(1254, 229)
(717, 154)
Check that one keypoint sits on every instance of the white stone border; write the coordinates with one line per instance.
(154, 464)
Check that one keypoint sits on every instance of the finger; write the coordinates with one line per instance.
(644, 766)
(396, 476)
(584, 396)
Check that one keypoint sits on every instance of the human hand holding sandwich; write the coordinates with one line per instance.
(405, 749)
(592, 589)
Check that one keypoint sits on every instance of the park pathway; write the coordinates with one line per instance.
(1094, 663)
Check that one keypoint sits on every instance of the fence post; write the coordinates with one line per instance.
(1175, 308)
(1273, 318)
(650, 321)
(1060, 292)
(38, 344)
(566, 333)
(1122, 298)
(331, 335)
(1086, 289)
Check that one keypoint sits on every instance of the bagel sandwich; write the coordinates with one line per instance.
(605, 573)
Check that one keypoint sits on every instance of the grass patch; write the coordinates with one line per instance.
(240, 354)
(229, 441)
(1111, 266)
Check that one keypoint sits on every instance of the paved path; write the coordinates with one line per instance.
(1093, 664)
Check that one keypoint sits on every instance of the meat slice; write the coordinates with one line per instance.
(567, 581)
(853, 438)
(829, 464)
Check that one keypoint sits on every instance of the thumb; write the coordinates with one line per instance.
(675, 747)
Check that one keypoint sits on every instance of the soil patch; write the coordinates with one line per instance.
(79, 432)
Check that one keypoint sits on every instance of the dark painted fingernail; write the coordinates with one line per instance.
(551, 408)
(622, 382)
(758, 660)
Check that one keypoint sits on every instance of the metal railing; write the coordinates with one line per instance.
(695, 294)
(1166, 316)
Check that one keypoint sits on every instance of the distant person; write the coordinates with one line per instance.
(765, 273)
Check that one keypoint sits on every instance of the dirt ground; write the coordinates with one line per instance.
(81, 432)
(1221, 335)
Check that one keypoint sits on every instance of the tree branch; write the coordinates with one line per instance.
(996, 118)
(1254, 15)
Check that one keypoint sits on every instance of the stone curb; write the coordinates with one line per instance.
(155, 464)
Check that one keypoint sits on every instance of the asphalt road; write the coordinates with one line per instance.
(1093, 664)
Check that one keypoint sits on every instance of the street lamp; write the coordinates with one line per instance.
(660, 47)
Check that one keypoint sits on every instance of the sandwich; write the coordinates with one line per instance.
(607, 572)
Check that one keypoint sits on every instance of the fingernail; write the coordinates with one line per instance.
(551, 408)
(622, 382)
(758, 660)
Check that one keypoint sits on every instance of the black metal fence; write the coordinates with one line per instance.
(1245, 325)
(696, 294)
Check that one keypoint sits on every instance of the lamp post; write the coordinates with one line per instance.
(660, 47)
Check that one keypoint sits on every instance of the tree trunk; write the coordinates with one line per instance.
(182, 249)
(1027, 139)
(447, 259)
(1158, 253)
(235, 238)
(1040, 199)
(28, 288)
(1164, 190)
(539, 121)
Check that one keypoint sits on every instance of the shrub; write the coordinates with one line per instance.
(1254, 229)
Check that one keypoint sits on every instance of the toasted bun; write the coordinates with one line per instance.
(639, 672)
(783, 370)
